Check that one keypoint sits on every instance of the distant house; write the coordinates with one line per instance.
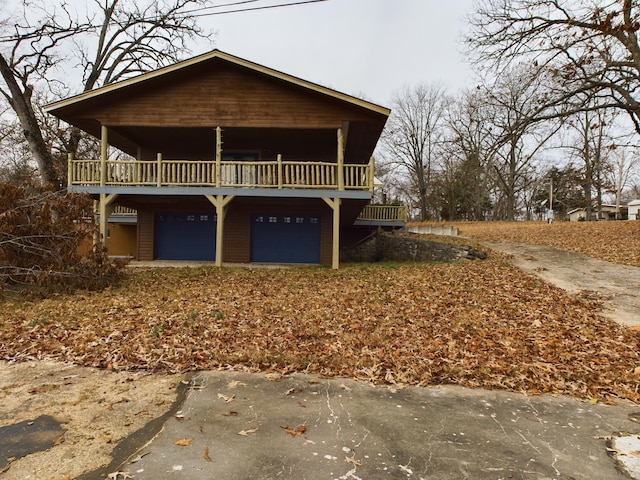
(634, 210)
(577, 214)
(230, 161)
(608, 212)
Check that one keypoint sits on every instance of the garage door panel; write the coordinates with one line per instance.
(285, 238)
(185, 236)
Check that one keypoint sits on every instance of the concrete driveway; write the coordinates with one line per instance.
(618, 285)
(235, 425)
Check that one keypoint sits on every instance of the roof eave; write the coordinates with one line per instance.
(50, 108)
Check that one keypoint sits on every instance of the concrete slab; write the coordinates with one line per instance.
(236, 425)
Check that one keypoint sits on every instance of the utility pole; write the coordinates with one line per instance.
(550, 212)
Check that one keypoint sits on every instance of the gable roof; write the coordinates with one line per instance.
(57, 108)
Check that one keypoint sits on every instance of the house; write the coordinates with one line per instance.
(634, 209)
(607, 212)
(230, 161)
(577, 214)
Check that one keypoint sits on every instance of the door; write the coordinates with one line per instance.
(185, 236)
(277, 238)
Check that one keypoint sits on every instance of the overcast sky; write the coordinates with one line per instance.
(368, 48)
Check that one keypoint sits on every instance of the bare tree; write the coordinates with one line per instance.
(412, 136)
(592, 142)
(517, 99)
(112, 41)
(463, 176)
(624, 165)
(590, 47)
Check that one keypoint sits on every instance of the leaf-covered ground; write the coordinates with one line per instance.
(617, 242)
(474, 323)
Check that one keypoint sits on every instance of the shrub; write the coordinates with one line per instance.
(41, 238)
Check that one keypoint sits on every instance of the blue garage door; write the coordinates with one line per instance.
(285, 238)
(185, 236)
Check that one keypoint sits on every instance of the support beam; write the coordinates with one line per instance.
(69, 168)
(372, 175)
(105, 208)
(340, 160)
(218, 156)
(220, 202)
(104, 148)
(159, 169)
(334, 204)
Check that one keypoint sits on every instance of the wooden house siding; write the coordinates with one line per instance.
(237, 235)
(145, 235)
(225, 95)
(122, 240)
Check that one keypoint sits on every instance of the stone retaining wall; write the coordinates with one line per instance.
(408, 247)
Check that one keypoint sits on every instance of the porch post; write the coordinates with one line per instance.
(159, 168)
(104, 145)
(104, 210)
(69, 169)
(220, 202)
(372, 173)
(218, 156)
(335, 252)
(280, 181)
(340, 159)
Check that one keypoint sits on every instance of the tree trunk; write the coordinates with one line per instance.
(21, 103)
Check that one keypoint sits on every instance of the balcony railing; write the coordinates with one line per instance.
(383, 213)
(187, 173)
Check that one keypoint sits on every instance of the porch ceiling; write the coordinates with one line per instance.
(200, 142)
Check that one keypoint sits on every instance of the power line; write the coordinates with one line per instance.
(209, 14)
(265, 7)
(231, 4)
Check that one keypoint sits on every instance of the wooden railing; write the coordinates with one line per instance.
(186, 173)
(120, 211)
(384, 213)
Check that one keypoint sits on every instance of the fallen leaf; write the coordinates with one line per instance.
(139, 457)
(353, 461)
(226, 398)
(236, 383)
(58, 440)
(295, 432)
(118, 475)
(183, 442)
(206, 454)
(245, 433)
(230, 414)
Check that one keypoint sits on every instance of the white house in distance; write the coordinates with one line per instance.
(634, 209)
(608, 212)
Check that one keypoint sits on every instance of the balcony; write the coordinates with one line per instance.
(277, 174)
(383, 216)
